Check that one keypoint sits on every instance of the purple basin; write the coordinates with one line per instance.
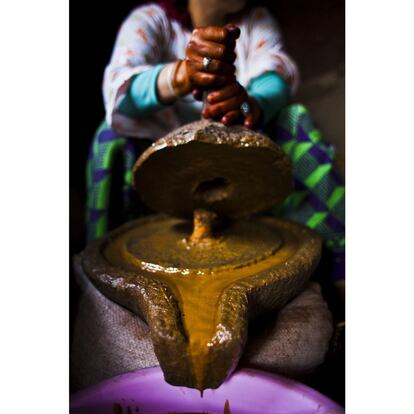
(247, 391)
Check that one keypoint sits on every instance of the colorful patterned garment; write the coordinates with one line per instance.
(109, 152)
(318, 200)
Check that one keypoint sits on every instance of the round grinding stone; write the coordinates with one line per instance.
(232, 171)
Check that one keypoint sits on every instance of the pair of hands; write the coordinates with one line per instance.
(225, 94)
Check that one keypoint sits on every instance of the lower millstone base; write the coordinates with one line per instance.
(197, 300)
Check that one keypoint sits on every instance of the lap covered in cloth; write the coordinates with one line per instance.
(110, 340)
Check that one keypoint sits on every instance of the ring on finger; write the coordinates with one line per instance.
(206, 62)
(245, 108)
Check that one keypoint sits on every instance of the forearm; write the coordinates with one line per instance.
(141, 98)
(153, 89)
(270, 92)
(165, 90)
(173, 82)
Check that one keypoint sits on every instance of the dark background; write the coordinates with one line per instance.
(314, 35)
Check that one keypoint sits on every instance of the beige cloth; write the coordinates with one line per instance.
(109, 340)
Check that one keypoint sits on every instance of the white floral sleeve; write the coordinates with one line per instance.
(139, 46)
(264, 50)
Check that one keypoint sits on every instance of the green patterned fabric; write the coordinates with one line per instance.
(108, 151)
(319, 197)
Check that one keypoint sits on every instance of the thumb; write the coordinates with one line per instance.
(249, 121)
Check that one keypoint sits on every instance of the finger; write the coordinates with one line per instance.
(249, 121)
(197, 94)
(225, 106)
(212, 50)
(215, 65)
(203, 79)
(217, 34)
(224, 93)
(231, 118)
(234, 33)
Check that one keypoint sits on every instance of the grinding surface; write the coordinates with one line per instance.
(198, 322)
(232, 171)
(164, 245)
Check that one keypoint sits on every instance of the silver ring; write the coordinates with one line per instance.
(206, 62)
(245, 108)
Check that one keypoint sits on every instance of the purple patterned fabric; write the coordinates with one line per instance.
(95, 214)
(335, 224)
(316, 203)
(321, 156)
(338, 272)
(282, 135)
(302, 136)
(107, 135)
(99, 175)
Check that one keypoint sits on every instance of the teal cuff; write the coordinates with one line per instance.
(271, 93)
(141, 98)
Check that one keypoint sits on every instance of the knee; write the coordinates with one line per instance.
(104, 144)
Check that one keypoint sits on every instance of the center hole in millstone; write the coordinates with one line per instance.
(211, 191)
